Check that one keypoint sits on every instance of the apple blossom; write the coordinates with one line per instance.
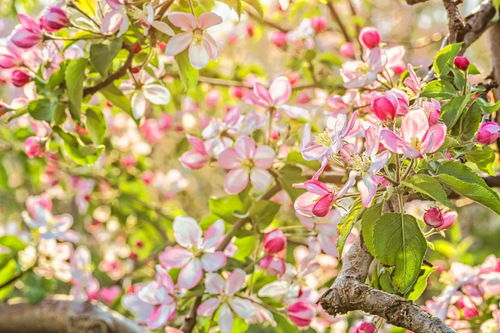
(488, 133)
(301, 313)
(390, 104)
(274, 241)
(357, 74)
(196, 158)
(54, 19)
(20, 78)
(370, 37)
(34, 147)
(28, 34)
(347, 50)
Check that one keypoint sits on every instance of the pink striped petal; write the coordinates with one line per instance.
(305, 203)
(185, 21)
(208, 307)
(178, 43)
(236, 181)
(214, 283)
(434, 138)
(207, 20)
(210, 45)
(261, 179)
(235, 281)
(367, 188)
(262, 93)
(280, 90)
(414, 126)
(243, 308)
(323, 206)
(264, 157)
(226, 319)
(245, 146)
(190, 275)
(394, 143)
(187, 232)
(213, 261)
(213, 235)
(230, 159)
(198, 55)
(160, 315)
(175, 257)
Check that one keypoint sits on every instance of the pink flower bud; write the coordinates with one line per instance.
(20, 78)
(301, 313)
(370, 37)
(273, 265)
(449, 219)
(212, 98)
(488, 133)
(33, 147)
(34, 203)
(389, 105)
(274, 241)
(364, 327)
(433, 109)
(28, 35)
(54, 19)
(128, 161)
(462, 63)
(165, 122)
(470, 312)
(303, 98)
(347, 50)
(151, 130)
(197, 158)
(279, 39)
(434, 217)
(7, 61)
(250, 28)
(318, 23)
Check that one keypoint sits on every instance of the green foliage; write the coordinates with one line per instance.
(400, 243)
(117, 98)
(443, 60)
(368, 222)
(421, 283)
(42, 109)
(345, 225)
(187, 73)
(229, 208)
(439, 89)
(74, 77)
(102, 55)
(483, 157)
(77, 150)
(453, 110)
(96, 124)
(428, 186)
(289, 175)
(263, 212)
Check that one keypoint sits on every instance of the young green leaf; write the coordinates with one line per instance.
(42, 109)
(345, 225)
(96, 124)
(368, 222)
(443, 61)
(74, 77)
(428, 186)
(187, 73)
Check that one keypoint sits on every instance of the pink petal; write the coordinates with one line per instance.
(294, 112)
(213, 261)
(226, 319)
(214, 283)
(235, 281)
(210, 45)
(414, 126)
(305, 203)
(190, 275)
(138, 105)
(280, 90)
(367, 188)
(213, 235)
(160, 315)
(434, 138)
(230, 159)
(243, 308)
(207, 20)
(208, 307)
(156, 94)
(112, 22)
(261, 92)
(245, 146)
(264, 157)
(187, 232)
(315, 186)
(185, 21)
(178, 43)
(236, 181)
(323, 206)
(372, 140)
(397, 145)
(350, 183)
(198, 55)
(379, 161)
(163, 27)
(261, 179)
(175, 257)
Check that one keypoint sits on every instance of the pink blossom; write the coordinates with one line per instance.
(488, 133)
(34, 147)
(370, 37)
(318, 23)
(53, 259)
(20, 77)
(273, 265)
(390, 104)
(433, 217)
(418, 137)
(8, 61)
(54, 19)
(347, 50)
(357, 74)
(28, 34)
(274, 241)
(195, 253)
(364, 327)
(301, 313)
(115, 19)
(246, 162)
(197, 158)
(152, 131)
(202, 47)
(275, 98)
(225, 300)
(279, 39)
(412, 81)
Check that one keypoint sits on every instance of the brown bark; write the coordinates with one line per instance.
(63, 315)
(349, 293)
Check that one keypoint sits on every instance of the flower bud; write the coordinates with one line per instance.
(370, 37)
(274, 241)
(347, 50)
(318, 23)
(470, 312)
(301, 313)
(7, 61)
(433, 217)
(136, 48)
(449, 219)
(54, 19)
(33, 147)
(279, 39)
(20, 78)
(364, 327)
(150, 129)
(28, 34)
(273, 265)
(462, 63)
(389, 105)
(488, 133)
(303, 98)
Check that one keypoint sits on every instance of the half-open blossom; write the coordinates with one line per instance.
(275, 98)
(364, 327)
(20, 77)
(390, 104)
(197, 157)
(226, 300)
(279, 39)
(357, 74)
(54, 19)
(28, 34)
(436, 218)
(202, 46)
(273, 265)
(412, 81)
(488, 133)
(318, 23)
(370, 37)
(274, 241)
(246, 162)
(34, 147)
(419, 137)
(301, 313)
(319, 198)
(195, 253)
(116, 19)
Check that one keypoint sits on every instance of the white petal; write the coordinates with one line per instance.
(187, 232)
(225, 319)
(244, 308)
(156, 94)
(138, 105)
(198, 55)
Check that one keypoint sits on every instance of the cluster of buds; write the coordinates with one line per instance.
(274, 243)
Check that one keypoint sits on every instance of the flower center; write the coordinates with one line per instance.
(323, 139)
(197, 36)
(360, 162)
(415, 143)
(247, 164)
(363, 67)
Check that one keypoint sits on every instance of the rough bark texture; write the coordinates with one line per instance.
(456, 22)
(63, 315)
(349, 292)
(477, 23)
(494, 36)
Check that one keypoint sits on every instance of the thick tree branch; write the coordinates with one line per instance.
(477, 23)
(63, 315)
(349, 293)
(336, 18)
(495, 60)
(456, 22)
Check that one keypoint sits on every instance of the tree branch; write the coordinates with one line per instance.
(477, 23)
(63, 315)
(336, 18)
(456, 22)
(349, 293)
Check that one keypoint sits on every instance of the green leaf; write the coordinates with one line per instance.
(7, 272)
(74, 77)
(463, 180)
(483, 157)
(469, 123)
(77, 150)
(400, 243)
(117, 98)
(443, 61)
(227, 208)
(4, 178)
(12, 242)
(439, 89)
(102, 55)
(289, 175)
(96, 124)
(385, 280)
(428, 186)
(487, 107)
(452, 111)
(295, 158)
(263, 212)
(245, 245)
(345, 225)
(42, 109)
(187, 73)
(421, 283)
(368, 222)
(255, 5)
